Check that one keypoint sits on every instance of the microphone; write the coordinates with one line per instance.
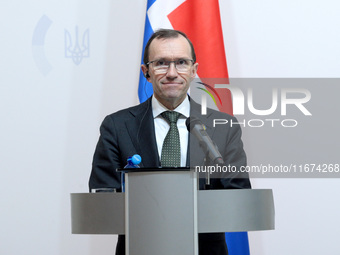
(197, 128)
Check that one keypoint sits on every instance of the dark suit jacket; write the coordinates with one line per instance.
(131, 131)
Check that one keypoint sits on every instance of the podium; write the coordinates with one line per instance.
(162, 212)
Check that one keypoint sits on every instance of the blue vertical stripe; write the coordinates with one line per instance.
(145, 88)
(237, 243)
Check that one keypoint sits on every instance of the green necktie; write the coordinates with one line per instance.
(171, 151)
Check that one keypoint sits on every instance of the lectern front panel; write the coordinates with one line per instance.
(161, 213)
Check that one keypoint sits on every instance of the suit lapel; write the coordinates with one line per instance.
(141, 129)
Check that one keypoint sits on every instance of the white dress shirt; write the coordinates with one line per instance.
(162, 126)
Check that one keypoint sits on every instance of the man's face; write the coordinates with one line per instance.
(170, 88)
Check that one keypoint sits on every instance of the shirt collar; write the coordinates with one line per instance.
(158, 107)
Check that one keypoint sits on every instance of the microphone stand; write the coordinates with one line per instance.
(207, 178)
(206, 164)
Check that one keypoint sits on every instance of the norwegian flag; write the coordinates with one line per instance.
(200, 20)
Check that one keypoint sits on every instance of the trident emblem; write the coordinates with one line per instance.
(77, 50)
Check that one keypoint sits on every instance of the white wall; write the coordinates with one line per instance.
(50, 117)
(289, 39)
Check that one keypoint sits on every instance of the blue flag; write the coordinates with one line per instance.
(145, 88)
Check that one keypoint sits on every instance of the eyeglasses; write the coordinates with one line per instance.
(162, 66)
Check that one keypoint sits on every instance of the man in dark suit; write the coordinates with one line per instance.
(170, 65)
